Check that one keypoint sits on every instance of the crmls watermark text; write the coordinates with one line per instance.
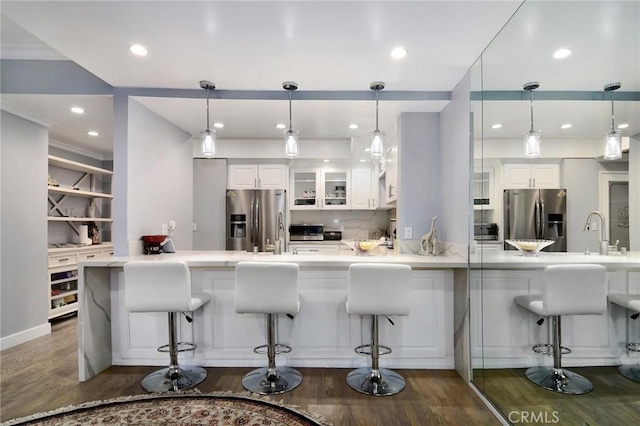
(533, 417)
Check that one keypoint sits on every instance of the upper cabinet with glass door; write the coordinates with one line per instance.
(319, 189)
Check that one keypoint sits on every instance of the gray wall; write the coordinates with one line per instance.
(209, 199)
(418, 172)
(455, 160)
(159, 185)
(23, 229)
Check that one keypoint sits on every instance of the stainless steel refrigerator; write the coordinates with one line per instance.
(536, 214)
(254, 216)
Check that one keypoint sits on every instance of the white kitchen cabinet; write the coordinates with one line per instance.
(335, 187)
(320, 188)
(484, 189)
(257, 176)
(531, 176)
(62, 281)
(391, 175)
(364, 189)
(304, 193)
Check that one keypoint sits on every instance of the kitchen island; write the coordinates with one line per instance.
(323, 335)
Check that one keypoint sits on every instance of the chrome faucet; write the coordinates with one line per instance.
(279, 232)
(604, 242)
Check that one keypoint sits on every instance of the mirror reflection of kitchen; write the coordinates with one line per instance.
(619, 214)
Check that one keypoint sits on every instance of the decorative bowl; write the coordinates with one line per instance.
(530, 247)
(362, 247)
(153, 239)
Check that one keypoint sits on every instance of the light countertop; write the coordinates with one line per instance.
(343, 258)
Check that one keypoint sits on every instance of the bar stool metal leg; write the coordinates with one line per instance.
(174, 377)
(375, 380)
(556, 378)
(272, 380)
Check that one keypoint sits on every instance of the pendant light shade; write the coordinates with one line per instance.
(377, 137)
(533, 137)
(290, 136)
(208, 135)
(613, 139)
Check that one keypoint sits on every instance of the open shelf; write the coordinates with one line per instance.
(77, 193)
(78, 219)
(79, 167)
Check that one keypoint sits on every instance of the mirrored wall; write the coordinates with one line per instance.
(573, 112)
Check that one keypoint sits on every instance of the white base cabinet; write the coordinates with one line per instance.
(321, 334)
(502, 333)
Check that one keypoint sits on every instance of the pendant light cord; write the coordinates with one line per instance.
(377, 91)
(290, 121)
(207, 108)
(612, 115)
(531, 104)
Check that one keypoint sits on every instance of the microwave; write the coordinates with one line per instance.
(306, 232)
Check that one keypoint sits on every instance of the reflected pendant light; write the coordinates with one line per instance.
(533, 137)
(377, 137)
(208, 135)
(290, 136)
(613, 139)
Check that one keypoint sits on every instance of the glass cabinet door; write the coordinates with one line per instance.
(335, 189)
(304, 189)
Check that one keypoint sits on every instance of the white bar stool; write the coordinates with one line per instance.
(631, 303)
(569, 289)
(165, 286)
(269, 288)
(377, 289)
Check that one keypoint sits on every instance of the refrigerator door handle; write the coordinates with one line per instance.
(536, 215)
(257, 216)
(251, 223)
(542, 216)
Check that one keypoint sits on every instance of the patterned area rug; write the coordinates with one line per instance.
(189, 408)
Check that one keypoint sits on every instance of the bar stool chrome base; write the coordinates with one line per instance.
(384, 382)
(266, 381)
(631, 372)
(172, 379)
(559, 380)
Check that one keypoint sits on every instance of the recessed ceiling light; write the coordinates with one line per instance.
(281, 126)
(353, 126)
(398, 52)
(623, 125)
(218, 125)
(561, 53)
(366, 149)
(93, 133)
(138, 50)
(496, 126)
(325, 161)
(566, 126)
(77, 110)
(362, 161)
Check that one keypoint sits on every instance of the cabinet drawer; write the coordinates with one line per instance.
(63, 259)
(89, 255)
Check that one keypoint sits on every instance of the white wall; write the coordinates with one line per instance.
(418, 172)
(159, 182)
(24, 296)
(455, 161)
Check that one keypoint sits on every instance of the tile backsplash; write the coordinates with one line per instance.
(354, 224)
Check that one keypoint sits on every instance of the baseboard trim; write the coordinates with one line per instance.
(24, 336)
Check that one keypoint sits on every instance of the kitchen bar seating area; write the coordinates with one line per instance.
(419, 236)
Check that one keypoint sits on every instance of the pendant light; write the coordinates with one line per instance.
(377, 137)
(613, 139)
(533, 137)
(290, 136)
(208, 135)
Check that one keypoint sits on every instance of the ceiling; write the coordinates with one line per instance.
(322, 45)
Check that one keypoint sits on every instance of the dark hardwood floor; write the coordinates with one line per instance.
(42, 375)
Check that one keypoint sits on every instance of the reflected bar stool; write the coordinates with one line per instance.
(568, 289)
(377, 289)
(269, 288)
(152, 286)
(631, 303)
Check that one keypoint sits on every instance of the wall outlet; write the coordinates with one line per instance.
(194, 227)
(408, 233)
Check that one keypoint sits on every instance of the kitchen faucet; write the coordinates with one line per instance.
(279, 230)
(604, 243)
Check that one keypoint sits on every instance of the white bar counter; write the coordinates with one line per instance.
(322, 334)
